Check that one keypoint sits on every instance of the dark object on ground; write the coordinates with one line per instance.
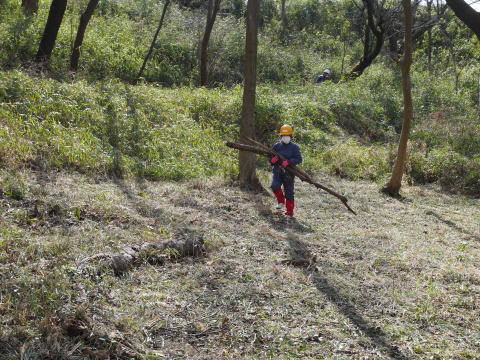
(153, 253)
(259, 148)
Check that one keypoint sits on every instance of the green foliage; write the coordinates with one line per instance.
(455, 172)
(354, 161)
(12, 186)
(117, 130)
(99, 125)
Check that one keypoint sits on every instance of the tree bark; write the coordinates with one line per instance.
(466, 14)
(392, 188)
(247, 176)
(213, 7)
(30, 7)
(55, 17)
(82, 26)
(150, 50)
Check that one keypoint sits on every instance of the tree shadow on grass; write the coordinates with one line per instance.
(453, 225)
(139, 203)
(377, 336)
(277, 219)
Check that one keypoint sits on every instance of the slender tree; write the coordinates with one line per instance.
(30, 7)
(283, 15)
(82, 26)
(430, 37)
(248, 176)
(468, 15)
(283, 19)
(55, 17)
(152, 45)
(213, 7)
(393, 186)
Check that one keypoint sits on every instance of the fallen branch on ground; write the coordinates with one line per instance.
(154, 253)
(259, 148)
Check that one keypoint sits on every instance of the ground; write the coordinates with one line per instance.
(398, 281)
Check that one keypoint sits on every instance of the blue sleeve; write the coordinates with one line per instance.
(296, 156)
(275, 147)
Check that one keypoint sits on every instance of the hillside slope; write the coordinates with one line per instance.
(400, 280)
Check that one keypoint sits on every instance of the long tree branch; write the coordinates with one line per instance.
(298, 172)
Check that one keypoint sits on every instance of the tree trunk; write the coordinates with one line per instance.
(376, 28)
(213, 6)
(167, 2)
(30, 7)
(430, 38)
(466, 14)
(82, 26)
(393, 186)
(284, 15)
(283, 19)
(248, 177)
(55, 17)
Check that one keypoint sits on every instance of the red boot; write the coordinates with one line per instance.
(280, 197)
(290, 204)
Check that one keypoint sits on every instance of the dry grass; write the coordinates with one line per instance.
(400, 280)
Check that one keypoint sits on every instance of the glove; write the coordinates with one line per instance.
(285, 163)
(274, 160)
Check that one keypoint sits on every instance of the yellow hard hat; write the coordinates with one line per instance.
(286, 130)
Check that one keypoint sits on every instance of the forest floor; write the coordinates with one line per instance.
(401, 280)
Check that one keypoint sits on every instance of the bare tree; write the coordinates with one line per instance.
(55, 17)
(82, 26)
(371, 49)
(466, 14)
(152, 45)
(248, 176)
(393, 186)
(213, 7)
(30, 7)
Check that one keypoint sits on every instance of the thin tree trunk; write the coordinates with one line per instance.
(393, 186)
(160, 24)
(283, 19)
(430, 39)
(55, 17)
(30, 7)
(248, 177)
(82, 26)
(213, 6)
(284, 15)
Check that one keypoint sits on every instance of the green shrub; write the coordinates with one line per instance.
(454, 172)
(350, 159)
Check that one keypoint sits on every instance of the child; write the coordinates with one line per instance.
(281, 176)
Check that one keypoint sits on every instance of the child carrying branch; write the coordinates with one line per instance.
(281, 177)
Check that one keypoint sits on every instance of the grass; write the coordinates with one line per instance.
(397, 281)
(110, 128)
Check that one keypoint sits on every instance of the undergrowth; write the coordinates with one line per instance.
(112, 129)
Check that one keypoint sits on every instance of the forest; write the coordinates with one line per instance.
(129, 230)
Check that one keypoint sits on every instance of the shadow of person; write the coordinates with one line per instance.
(453, 225)
(374, 333)
(277, 219)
